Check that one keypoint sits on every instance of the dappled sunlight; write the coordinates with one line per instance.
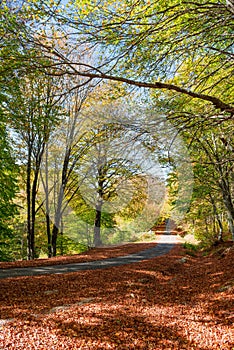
(110, 326)
(116, 126)
(216, 274)
(161, 303)
(148, 272)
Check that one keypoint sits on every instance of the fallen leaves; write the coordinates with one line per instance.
(92, 254)
(156, 304)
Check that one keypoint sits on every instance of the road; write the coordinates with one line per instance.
(164, 244)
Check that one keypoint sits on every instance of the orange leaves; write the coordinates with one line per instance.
(155, 304)
(93, 254)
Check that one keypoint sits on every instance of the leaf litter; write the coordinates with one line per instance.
(161, 303)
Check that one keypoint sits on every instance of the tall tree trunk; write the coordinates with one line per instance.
(56, 227)
(62, 241)
(228, 202)
(46, 189)
(30, 248)
(33, 208)
(38, 159)
(231, 225)
(48, 233)
(220, 235)
(97, 226)
(55, 232)
(59, 209)
(57, 221)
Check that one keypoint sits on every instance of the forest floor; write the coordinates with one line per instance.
(90, 255)
(175, 301)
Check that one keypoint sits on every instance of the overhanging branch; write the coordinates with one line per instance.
(95, 73)
(219, 104)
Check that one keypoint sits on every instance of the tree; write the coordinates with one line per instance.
(32, 114)
(109, 171)
(181, 52)
(145, 44)
(10, 74)
(218, 148)
(121, 165)
(71, 150)
(8, 192)
(211, 153)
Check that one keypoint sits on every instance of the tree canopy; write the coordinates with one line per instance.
(150, 45)
(155, 75)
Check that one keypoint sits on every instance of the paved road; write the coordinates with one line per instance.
(164, 245)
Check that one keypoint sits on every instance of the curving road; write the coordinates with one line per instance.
(164, 244)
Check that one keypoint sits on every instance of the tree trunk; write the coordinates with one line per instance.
(220, 234)
(31, 197)
(227, 198)
(59, 209)
(48, 235)
(33, 207)
(62, 241)
(30, 248)
(57, 221)
(55, 232)
(97, 226)
(46, 189)
(231, 225)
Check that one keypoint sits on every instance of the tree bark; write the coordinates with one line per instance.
(57, 219)
(227, 199)
(48, 235)
(28, 193)
(33, 208)
(59, 209)
(55, 232)
(220, 235)
(30, 212)
(231, 225)
(97, 226)
(46, 189)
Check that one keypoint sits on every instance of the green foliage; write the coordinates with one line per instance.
(211, 152)
(191, 249)
(10, 243)
(119, 236)
(8, 190)
(186, 45)
(190, 246)
(159, 40)
(66, 246)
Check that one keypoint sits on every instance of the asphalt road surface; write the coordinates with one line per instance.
(164, 244)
